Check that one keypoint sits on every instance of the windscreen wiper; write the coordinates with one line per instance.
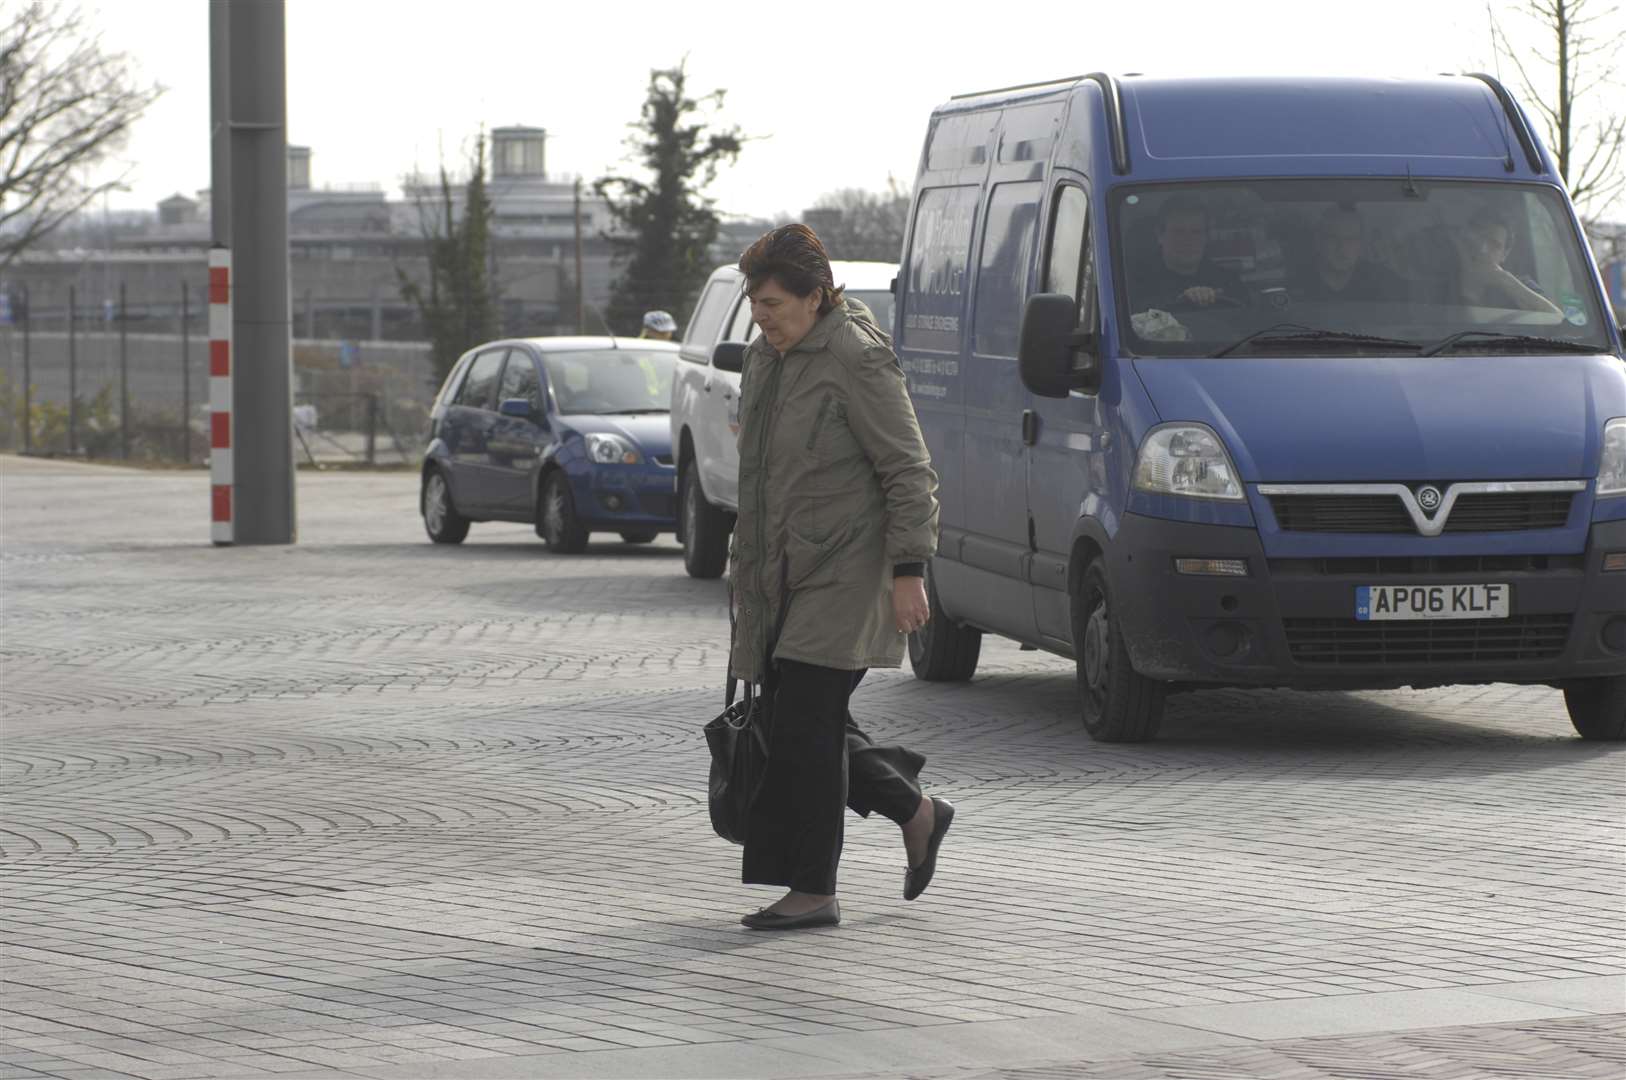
(1497, 337)
(1297, 334)
(632, 412)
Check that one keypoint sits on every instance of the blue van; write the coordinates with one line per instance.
(1265, 382)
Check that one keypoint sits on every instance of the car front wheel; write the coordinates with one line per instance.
(1598, 708)
(556, 520)
(440, 518)
(1119, 703)
(705, 529)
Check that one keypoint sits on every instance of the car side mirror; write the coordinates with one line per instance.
(519, 407)
(1054, 356)
(729, 356)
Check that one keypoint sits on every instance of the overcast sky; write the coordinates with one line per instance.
(836, 95)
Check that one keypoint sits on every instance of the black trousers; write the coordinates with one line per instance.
(819, 764)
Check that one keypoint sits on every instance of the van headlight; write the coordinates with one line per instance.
(1186, 459)
(611, 450)
(1612, 472)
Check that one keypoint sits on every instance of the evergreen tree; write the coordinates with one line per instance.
(665, 224)
(459, 310)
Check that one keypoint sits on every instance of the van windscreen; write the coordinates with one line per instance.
(1199, 267)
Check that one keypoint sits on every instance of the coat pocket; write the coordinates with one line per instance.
(810, 564)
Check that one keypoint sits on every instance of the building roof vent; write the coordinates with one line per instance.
(299, 168)
(518, 152)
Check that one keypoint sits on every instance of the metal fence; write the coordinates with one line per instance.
(85, 379)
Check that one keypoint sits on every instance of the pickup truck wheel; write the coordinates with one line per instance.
(440, 518)
(1119, 703)
(705, 529)
(556, 520)
(943, 651)
(1598, 708)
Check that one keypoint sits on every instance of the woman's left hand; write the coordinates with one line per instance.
(909, 607)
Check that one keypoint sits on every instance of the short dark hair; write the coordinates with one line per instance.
(1485, 216)
(1180, 206)
(794, 256)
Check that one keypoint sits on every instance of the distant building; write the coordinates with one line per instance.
(349, 245)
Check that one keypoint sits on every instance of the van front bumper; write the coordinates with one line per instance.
(1291, 622)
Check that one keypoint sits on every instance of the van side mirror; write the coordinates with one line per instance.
(1054, 356)
(729, 356)
(517, 406)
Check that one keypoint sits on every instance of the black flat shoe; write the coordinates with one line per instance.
(828, 915)
(916, 878)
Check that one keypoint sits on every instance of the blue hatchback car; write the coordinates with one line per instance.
(568, 433)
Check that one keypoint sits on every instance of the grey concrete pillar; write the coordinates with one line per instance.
(262, 347)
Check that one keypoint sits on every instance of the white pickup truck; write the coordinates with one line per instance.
(706, 406)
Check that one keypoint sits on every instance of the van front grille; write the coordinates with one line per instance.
(1479, 512)
(1349, 642)
(1430, 565)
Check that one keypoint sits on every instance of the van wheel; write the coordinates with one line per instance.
(705, 528)
(1119, 703)
(942, 651)
(440, 518)
(1598, 708)
(556, 520)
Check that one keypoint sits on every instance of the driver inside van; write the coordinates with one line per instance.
(1181, 277)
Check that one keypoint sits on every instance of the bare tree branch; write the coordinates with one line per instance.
(1573, 87)
(66, 107)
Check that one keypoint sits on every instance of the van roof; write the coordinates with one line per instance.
(1178, 127)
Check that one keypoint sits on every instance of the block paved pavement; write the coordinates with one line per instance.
(367, 806)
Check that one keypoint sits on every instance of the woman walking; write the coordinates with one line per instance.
(837, 518)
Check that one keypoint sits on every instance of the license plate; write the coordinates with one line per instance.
(1376, 602)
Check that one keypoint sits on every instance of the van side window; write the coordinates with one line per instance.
(1002, 271)
(1071, 266)
(480, 386)
(741, 328)
(708, 317)
(933, 275)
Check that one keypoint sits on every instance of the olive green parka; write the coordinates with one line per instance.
(836, 490)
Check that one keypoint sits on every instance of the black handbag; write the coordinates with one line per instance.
(738, 739)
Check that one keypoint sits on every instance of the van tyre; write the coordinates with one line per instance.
(1119, 703)
(943, 651)
(1598, 708)
(440, 518)
(705, 528)
(556, 520)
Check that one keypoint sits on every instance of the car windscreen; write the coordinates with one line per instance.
(610, 380)
(879, 302)
(1206, 268)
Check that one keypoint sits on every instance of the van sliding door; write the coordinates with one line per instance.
(1066, 464)
(996, 466)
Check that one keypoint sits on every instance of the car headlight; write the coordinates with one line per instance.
(1612, 472)
(611, 450)
(1186, 459)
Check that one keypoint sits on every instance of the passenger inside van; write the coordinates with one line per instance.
(1482, 280)
(1341, 268)
(1179, 276)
